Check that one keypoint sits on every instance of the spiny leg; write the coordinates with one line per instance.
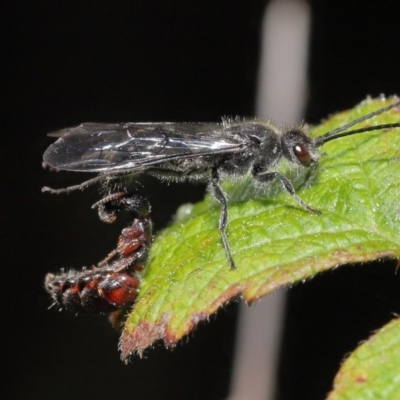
(102, 178)
(223, 221)
(108, 212)
(81, 186)
(287, 185)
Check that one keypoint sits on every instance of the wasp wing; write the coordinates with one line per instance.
(99, 147)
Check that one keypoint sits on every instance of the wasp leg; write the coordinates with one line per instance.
(267, 177)
(107, 178)
(81, 186)
(223, 221)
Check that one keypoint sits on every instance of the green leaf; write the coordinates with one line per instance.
(274, 241)
(373, 370)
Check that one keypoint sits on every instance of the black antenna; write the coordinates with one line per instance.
(341, 130)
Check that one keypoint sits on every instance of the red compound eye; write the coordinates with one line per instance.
(302, 154)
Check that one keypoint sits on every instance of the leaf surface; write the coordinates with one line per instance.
(373, 370)
(274, 241)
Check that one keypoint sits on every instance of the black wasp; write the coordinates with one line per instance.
(192, 151)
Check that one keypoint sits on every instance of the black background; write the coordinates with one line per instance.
(66, 62)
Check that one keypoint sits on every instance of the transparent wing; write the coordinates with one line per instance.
(98, 147)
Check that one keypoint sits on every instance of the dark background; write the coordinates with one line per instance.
(67, 62)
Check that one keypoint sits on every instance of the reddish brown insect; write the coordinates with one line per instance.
(113, 283)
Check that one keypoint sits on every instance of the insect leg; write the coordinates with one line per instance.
(81, 186)
(97, 179)
(267, 177)
(106, 210)
(223, 221)
(110, 205)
